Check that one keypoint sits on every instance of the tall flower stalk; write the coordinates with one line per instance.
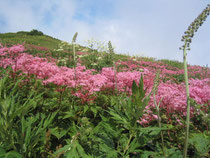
(187, 39)
(74, 52)
(188, 100)
(111, 53)
(154, 90)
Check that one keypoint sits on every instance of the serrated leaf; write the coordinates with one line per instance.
(118, 118)
(133, 145)
(200, 142)
(152, 130)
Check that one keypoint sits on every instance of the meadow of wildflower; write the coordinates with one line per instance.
(65, 100)
(53, 111)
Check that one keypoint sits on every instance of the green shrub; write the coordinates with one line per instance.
(35, 33)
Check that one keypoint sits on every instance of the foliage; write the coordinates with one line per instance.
(35, 32)
(20, 38)
(201, 143)
(21, 130)
(107, 111)
(172, 63)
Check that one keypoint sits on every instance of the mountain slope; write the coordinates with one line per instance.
(45, 42)
(21, 37)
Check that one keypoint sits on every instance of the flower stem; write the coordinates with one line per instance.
(115, 76)
(74, 61)
(188, 101)
(128, 144)
(159, 123)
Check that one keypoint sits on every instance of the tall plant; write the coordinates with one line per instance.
(111, 53)
(157, 105)
(73, 44)
(21, 132)
(73, 48)
(187, 39)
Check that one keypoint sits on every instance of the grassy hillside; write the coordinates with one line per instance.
(89, 103)
(21, 37)
(36, 43)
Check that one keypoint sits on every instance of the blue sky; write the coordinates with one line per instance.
(151, 28)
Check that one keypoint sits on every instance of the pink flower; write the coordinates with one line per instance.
(87, 84)
(155, 116)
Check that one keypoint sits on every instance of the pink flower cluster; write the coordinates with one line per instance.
(11, 50)
(84, 83)
(124, 80)
(174, 98)
(81, 79)
(166, 70)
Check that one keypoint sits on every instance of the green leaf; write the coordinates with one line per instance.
(112, 154)
(134, 88)
(75, 151)
(201, 143)
(69, 114)
(86, 108)
(58, 132)
(11, 154)
(152, 130)
(2, 151)
(25, 107)
(174, 153)
(141, 85)
(94, 110)
(147, 154)
(109, 152)
(133, 145)
(63, 149)
(118, 118)
(80, 150)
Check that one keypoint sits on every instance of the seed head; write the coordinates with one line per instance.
(74, 38)
(194, 26)
(111, 49)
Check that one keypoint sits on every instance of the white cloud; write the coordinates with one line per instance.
(153, 28)
(17, 16)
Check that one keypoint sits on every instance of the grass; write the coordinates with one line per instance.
(172, 63)
(52, 43)
(19, 38)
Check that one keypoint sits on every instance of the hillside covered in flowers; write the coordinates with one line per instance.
(94, 83)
